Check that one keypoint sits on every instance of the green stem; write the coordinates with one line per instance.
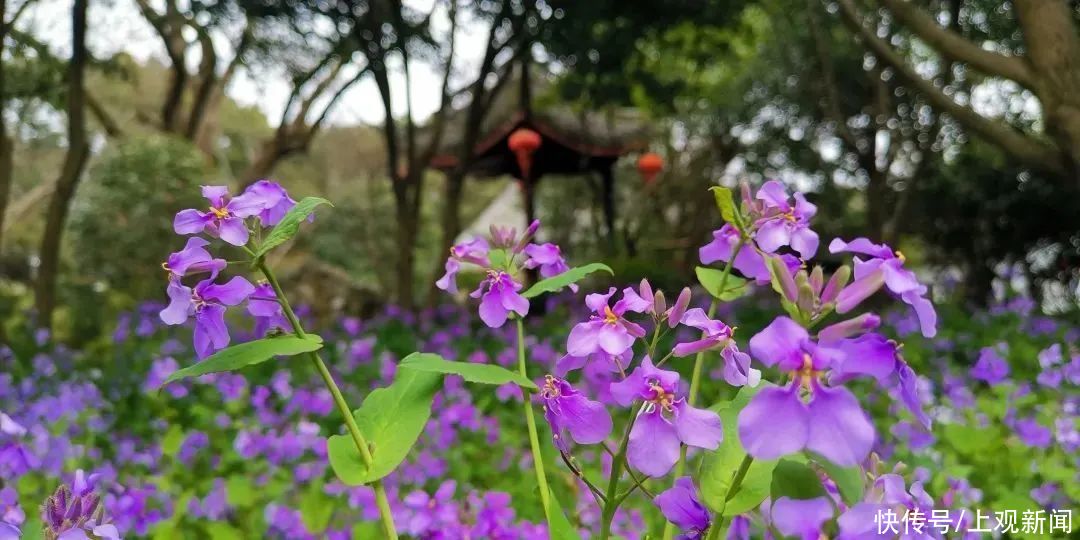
(343, 407)
(617, 463)
(695, 377)
(530, 421)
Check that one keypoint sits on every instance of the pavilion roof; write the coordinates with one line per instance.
(569, 133)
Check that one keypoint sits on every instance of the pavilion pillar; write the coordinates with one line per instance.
(528, 194)
(608, 195)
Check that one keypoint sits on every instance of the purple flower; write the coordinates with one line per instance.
(875, 356)
(207, 303)
(500, 298)
(264, 307)
(71, 513)
(567, 410)
(888, 493)
(785, 224)
(431, 514)
(749, 261)
(886, 267)
(1033, 434)
(474, 252)
(275, 201)
(664, 420)
(715, 334)
(778, 421)
(800, 518)
(10, 427)
(10, 512)
(990, 367)
(606, 330)
(225, 219)
(193, 259)
(548, 258)
(681, 506)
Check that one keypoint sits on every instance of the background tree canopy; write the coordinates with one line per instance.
(950, 127)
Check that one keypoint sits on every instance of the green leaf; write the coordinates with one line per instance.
(223, 531)
(290, 224)
(564, 279)
(247, 354)
(498, 259)
(558, 524)
(391, 419)
(726, 203)
(170, 443)
(477, 373)
(316, 508)
(795, 480)
(850, 480)
(710, 278)
(240, 491)
(718, 467)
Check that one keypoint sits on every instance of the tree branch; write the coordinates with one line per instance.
(1029, 150)
(103, 117)
(957, 47)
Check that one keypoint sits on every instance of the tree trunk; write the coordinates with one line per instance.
(5, 141)
(270, 152)
(407, 226)
(1053, 52)
(74, 161)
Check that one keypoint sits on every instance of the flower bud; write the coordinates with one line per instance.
(817, 279)
(782, 279)
(659, 303)
(839, 278)
(849, 328)
(677, 311)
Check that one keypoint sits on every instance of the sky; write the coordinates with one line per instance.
(117, 26)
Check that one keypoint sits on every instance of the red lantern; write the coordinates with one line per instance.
(523, 142)
(649, 165)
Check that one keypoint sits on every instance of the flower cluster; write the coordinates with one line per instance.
(77, 512)
(232, 219)
(503, 259)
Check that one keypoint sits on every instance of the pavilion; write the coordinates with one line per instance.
(571, 143)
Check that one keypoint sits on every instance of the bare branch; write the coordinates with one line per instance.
(1033, 152)
(956, 46)
(103, 117)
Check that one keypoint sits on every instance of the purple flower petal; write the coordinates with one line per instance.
(773, 234)
(839, 429)
(234, 231)
(180, 306)
(780, 343)
(653, 448)
(190, 221)
(801, 517)
(698, 427)
(775, 423)
(680, 505)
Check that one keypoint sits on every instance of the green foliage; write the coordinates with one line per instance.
(565, 279)
(391, 419)
(121, 218)
(250, 353)
(726, 203)
(718, 467)
(477, 373)
(795, 480)
(850, 480)
(711, 278)
(290, 224)
(559, 525)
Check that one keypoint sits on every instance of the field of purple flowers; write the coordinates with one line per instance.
(657, 421)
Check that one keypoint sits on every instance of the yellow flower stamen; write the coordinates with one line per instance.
(219, 213)
(609, 316)
(900, 256)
